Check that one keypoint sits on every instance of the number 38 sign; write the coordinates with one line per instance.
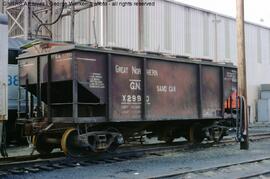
(13, 80)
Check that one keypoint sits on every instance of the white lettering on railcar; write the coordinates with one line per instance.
(96, 81)
(152, 72)
(121, 69)
(86, 59)
(136, 70)
(134, 99)
(231, 76)
(135, 84)
(172, 89)
(166, 88)
(162, 88)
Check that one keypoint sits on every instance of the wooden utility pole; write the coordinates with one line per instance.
(241, 59)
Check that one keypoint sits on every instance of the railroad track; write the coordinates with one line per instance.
(37, 163)
(33, 164)
(200, 173)
(31, 157)
(265, 174)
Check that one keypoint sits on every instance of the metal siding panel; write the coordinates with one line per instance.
(155, 28)
(178, 29)
(259, 44)
(221, 38)
(269, 46)
(251, 84)
(212, 36)
(181, 42)
(265, 46)
(187, 31)
(167, 27)
(3, 69)
(63, 32)
(196, 33)
(146, 35)
(206, 35)
(259, 71)
(66, 31)
(87, 30)
(122, 26)
(227, 40)
(233, 42)
(253, 44)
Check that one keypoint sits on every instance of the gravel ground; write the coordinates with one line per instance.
(170, 163)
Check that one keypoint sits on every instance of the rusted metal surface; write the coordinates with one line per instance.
(125, 87)
(230, 82)
(211, 92)
(28, 70)
(172, 90)
(92, 74)
(43, 69)
(61, 67)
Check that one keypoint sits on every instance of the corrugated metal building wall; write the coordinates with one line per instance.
(175, 28)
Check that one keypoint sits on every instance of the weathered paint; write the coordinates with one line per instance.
(133, 87)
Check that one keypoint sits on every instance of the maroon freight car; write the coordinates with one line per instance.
(92, 98)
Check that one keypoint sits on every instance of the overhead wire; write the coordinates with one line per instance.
(55, 21)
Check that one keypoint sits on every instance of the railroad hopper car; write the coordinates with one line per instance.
(96, 99)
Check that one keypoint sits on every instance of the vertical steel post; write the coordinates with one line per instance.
(1, 6)
(72, 24)
(200, 110)
(242, 86)
(109, 88)
(49, 88)
(101, 25)
(222, 92)
(74, 88)
(39, 112)
(31, 105)
(26, 20)
(29, 30)
(27, 99)
(140, 27)
(143, 87)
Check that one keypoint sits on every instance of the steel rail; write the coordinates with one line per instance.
(184, 144)
(198, 171)
(37, 163)
(256, 175)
